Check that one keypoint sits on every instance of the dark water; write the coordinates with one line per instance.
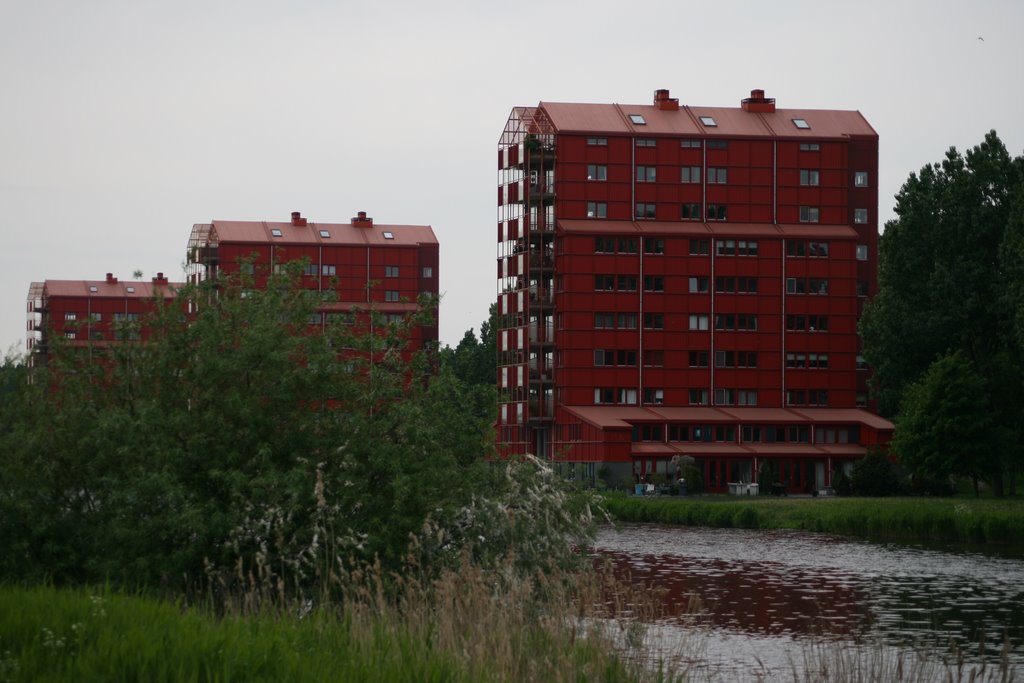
(763, 592)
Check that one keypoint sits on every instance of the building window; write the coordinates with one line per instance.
(862, 288)
(96, 317)
(627, 245)
(810, 177)
(388, 235)
(860, 215)
(390, 271)
(275, 232)
(716, 212)
(391, 295)
(698, 397)
(627, 396)
(654, 321)
(817, 249)
(324, 233)
(646, 142)
(698, 285)
(708, 121)
(597, 142)
(698, 322)
(604, 321)
(809, 147)
(646, 174)
(655, 396)
(861, 400)
(603, 395)
(597, 172)
(637, 119)
(654, 283)
(311, 269)
(801, 124)
(604, 283)
(654, 359)
(691, 212)
(735, 285)
(627, 321)
(597, 210)
(718, 144)
(690, 174)
(862, 252)
(130, 290)
(736, 321)
(808, 214)
(70, 316)
(717, 176)
(690, 144)
(645, 211)
(698, 359)
(699, 247)
(604, 245)
(626, 283)
(603, 358)
(428, 272)
(654, 245)
(860, 179)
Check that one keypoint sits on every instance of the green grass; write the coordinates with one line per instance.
(939, 519)
(50, 634)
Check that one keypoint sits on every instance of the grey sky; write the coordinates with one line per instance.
(123, 123)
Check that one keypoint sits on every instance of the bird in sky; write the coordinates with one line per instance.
(981, 39)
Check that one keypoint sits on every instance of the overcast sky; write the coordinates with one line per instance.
(123, 123)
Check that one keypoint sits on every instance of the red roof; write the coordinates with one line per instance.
(260, 232)
(110, 290)
(625, 416)
(614, 119)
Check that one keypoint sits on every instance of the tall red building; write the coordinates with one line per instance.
(91, 314)
(356, 266)
(677, 280)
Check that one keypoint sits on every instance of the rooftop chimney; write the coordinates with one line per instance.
(361, 220)
(297, 219)
(159, 279)
(665, 103)
(757, 102)
(111, 280)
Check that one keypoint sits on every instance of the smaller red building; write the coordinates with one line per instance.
(355, 267)
(91, 313)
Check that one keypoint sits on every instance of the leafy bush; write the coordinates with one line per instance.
(874, 475)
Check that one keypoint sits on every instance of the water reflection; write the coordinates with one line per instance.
(772, 584)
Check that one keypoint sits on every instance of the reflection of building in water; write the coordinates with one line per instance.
(677, 280)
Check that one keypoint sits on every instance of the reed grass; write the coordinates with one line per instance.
(933, 519)
(461, 627)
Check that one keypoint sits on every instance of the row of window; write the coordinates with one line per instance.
(651, 142)
(628, 321)
(652, 245)
(327, 270)
(750, 433)
(809, 177)
(714, 212)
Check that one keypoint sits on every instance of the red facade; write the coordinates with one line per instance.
(356, 267)
(679, 280)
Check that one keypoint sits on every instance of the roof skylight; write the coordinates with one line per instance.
(801, 123)
(708, 120)
(324, 233)
(638, 119)
(276, 232)
(388, 235)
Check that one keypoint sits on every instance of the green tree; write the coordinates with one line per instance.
(947, 426)
(946, 264)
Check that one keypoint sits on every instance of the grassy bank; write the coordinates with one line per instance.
(938, 519)
(49, 634)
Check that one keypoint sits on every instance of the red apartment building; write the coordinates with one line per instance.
(355, 266)
(90, 313)
(681, 280)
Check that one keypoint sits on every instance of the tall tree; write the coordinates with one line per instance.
(944, 271)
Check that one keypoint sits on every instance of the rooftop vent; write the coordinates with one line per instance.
(361, 220)
(757, 102)
(665, 103)
(297, 219)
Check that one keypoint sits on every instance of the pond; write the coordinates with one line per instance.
(764, 596)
